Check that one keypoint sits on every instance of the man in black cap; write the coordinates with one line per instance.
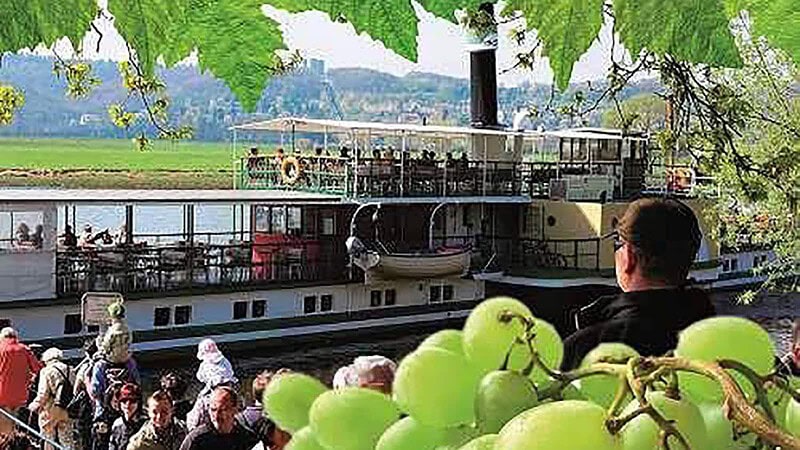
(654, 246)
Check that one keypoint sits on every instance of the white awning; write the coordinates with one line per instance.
(302, 125)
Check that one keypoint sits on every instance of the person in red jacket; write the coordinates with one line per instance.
(18, 367)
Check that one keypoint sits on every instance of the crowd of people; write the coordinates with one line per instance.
(100, 403)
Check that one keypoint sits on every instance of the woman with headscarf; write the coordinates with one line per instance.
(215, 370)
(372, 372)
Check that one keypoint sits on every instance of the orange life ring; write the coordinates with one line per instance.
(290, 163)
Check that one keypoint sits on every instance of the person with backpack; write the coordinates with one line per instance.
(54, 395)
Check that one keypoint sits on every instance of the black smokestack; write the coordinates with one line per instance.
(483, 82)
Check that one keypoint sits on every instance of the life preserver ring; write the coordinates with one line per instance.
(290, 170)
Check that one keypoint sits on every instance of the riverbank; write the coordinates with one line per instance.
(114, 164)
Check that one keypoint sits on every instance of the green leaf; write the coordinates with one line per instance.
(446, 9)
(235, 41)
(779, 22)
(566, 29)
(146, 25)
(696, 31)
(28, 23)
(392, 22)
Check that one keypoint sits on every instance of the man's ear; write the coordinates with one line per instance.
(796, 353)
(630, 259)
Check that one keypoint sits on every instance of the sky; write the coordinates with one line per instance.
(442, 48)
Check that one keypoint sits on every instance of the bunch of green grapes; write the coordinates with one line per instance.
(494, 385)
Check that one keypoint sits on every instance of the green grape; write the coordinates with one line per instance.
(642, 433)
(485, 442)
(351, 418)
(451, 340)
(720, 430)
(602, 388)
(793, 417)
(288, 398)
(567, 424)
(408, 434)
(718, 338)
(437, 387)
(304, 439)
(487, 338)
(550, 348)
(573, 393)
(502, 394)
(455, 437)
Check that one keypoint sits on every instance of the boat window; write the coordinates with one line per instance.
(93, 329)
(183, 314)
(294, 219)
(278, 220)
(240, 310)
(161, 316)
(73, 324)
(375, 298)
(326, 302)
(389, 297)
(259, 308)
(22, 231)
(551, 221)
(435, 294)
(328, 223)
(310, 304)
(447, 292)
(734, 265)
(262, 218)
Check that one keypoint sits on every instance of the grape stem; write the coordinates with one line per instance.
(735, 405)
(667, 427)
(758, 384)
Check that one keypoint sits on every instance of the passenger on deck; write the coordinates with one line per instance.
(87, 237)
(37, 238)
(655, 244)
(23, 234)
(68, 239)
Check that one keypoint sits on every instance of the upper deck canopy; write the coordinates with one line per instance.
(110, 196)
(302, 125)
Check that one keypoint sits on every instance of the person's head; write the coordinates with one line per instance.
(39, 229)
(68, 229)
(87, 228)
(222, 408)
(656, 242)
(52, 355)
(318, 151)
(129, 397)
(90, 347)
(116, 311)
(280, 151)
(175, 385)
(208, 351)
(372, 372)
(159, 409)
(254, 151)
(23, 228)
(9, 333)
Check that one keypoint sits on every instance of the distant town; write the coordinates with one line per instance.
(312, 91)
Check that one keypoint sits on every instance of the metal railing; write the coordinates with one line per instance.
(179, 266)
(30, 431)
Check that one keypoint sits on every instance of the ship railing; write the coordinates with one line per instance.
(317, 174)
(32, 434)
(143, 268)
(681, 180)
(499, 253)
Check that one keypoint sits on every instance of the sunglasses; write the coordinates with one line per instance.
(618, 242)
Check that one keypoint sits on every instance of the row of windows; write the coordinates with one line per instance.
(378, 298)
(760, 260)
(730, 265)
(182, 315)
(257, 308)
(311, 305)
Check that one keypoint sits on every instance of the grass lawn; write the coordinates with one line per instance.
(113, 154)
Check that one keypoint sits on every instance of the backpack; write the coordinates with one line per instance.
(64, 392)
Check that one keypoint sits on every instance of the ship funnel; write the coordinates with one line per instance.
(483, 76)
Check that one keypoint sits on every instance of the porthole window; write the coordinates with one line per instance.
(259, 308)
(310, 304)
(375, 298)
(326, 303)
(551, 221)
(389, 297)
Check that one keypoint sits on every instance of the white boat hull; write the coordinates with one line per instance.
(415, 266)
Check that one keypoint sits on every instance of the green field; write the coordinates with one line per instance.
(108, 154)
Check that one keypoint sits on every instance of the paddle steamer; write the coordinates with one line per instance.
(355, 228)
